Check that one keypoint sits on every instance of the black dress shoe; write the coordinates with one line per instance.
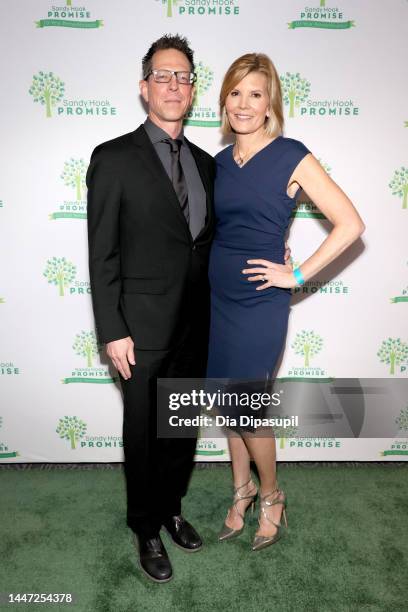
(183, 534)
(153, 559)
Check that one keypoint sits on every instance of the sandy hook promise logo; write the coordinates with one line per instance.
(202, 112)
(284, 433)
(333, 287)
(208, 447)
(85, 345)
(295, 90)
(72, 429)
(205, 77)
(69, 16)
(305, 208)
(308, 344)
(73, 175)
(8, 368)
(394, 352)
(5, 453)
(296, 93)
(399, 185)
(48, 89)
(399, 447)
(400, 298)
(199, 7)
(321, 17)
(61, 272)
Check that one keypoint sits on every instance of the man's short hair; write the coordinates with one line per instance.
(168, 41)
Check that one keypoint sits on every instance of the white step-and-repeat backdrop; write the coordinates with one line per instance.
(70, 75)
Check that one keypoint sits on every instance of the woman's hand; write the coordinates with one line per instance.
(288, 253)
(274, 274)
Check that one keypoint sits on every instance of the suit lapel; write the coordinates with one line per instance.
(161, 180)
(152, 163)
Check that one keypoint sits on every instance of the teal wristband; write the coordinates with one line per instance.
(298, 276)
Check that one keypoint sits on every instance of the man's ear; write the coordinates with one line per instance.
(193, 92)
(144, 90)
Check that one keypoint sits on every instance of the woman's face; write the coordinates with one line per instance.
(247, 104)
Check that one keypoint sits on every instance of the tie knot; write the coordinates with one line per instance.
(174, 144)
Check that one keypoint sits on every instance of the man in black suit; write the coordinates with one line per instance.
(150, 226)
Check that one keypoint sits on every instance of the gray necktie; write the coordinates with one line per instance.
(177, 176)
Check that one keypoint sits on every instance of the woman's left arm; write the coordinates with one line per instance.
(339, 210)
(335, 205)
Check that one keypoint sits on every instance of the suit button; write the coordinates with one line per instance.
(193, 248)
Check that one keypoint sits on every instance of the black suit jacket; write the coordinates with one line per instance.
(142, 258)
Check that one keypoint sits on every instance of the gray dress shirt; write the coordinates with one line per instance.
(197, 197)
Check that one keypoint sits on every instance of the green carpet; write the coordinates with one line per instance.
(345, 549)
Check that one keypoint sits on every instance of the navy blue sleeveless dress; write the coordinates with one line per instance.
(248, 327)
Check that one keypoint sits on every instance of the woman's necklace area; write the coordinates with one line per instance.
(241, 159)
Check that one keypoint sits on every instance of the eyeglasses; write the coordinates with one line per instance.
(165, 76)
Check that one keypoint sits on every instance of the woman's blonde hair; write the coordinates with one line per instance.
(254, 62)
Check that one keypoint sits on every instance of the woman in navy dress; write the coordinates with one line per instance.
(255, 191)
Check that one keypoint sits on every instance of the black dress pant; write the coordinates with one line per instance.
(158, 470)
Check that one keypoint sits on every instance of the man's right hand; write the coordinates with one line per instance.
(122, 353)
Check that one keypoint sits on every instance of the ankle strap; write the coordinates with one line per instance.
(277, 499)
(236, 489)
(239, 497)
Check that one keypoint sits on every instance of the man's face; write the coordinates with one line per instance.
(168, 102)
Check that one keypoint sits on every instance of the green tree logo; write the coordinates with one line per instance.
(284, 433)
(308, 344)
(399, 185)
(325, 166)
(61, 272)
(73, 175)
(322, 2)
(69, 2)
(170, 5)
(47, 89)
(72, 429)
(86, 345)
(205, 77)
(402, 420)
(392, 351)
(295, 90)
(294, 262)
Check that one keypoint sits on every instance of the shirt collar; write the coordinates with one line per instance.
(156, 134)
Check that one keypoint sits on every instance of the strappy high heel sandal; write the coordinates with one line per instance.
(227, 533)
(263, 541)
